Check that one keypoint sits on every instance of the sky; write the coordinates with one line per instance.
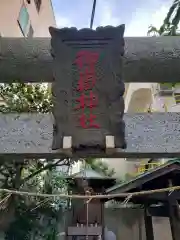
(137, 15)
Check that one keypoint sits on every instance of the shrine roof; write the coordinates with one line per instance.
(151, 178)
(95, 179)
(89, 173)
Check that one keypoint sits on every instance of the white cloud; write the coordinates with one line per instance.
(68, 22)
(106, 17)
(63, 22)
(142, 19)
(159, 15)
(105, 14)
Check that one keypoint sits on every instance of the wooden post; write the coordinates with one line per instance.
(148, 225)
(173, 208)
(174, 220)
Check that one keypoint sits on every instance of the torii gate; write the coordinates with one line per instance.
(152, 59)
(146, 59)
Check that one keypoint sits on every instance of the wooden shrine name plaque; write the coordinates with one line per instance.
(88, 88)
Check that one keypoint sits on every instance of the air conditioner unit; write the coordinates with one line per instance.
(164, 90)
(176, 95)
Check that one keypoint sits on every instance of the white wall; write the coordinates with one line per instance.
(138, 98)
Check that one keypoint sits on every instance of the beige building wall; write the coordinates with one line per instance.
(138, 98)
(40, 21)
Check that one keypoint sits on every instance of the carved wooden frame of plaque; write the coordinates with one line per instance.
(109, 43)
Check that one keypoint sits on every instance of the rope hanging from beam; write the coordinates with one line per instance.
(76, 196)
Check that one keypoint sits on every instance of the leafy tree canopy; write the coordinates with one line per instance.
(24, 216)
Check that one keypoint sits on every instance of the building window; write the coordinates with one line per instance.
(177, 98)
(31, 32)
(38, 4)
(23, 20)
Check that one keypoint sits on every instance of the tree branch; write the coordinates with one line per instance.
(3, 173)
(48, 166)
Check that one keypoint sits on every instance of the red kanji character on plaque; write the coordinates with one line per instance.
(87, 80)
(86, 61)
(86, 58)
(88, 121)
(89, 101)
